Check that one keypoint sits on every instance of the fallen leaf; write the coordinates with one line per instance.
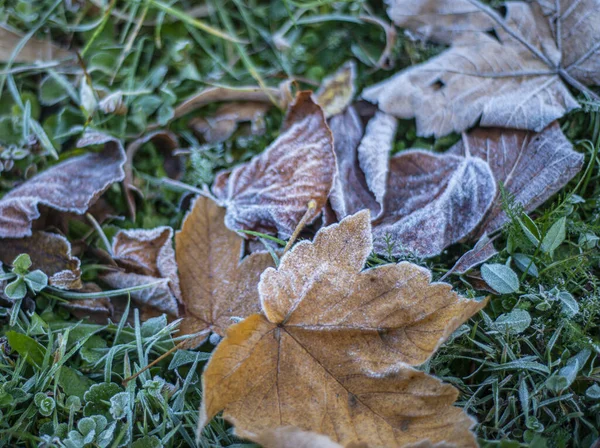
(166, 142)
(432, 201)
(146, 256)
(70, 186)
(288, 436)
(49, 252)
(332, 351)
(96, 310)
(531, 167)
(509, 71)
(281, 96)
(33, 51)
(225, 121)
(271, 192)
(482, 252)
(337, 91)
(216, 284)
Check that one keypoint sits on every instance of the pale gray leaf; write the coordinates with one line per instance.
(500, 277)
(515, 322)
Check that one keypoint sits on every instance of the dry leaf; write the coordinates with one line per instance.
(332, 351)
(33, 51)
(50, 253)
(166, 142)
(531, 166)
(289, 436)
(482, 252)
(432, 201)
(216, 285)
(145, 257)
(507, 71)
(271, 192)
(337, 91)
(70, 186)
(281, 96)
(96, 310)
(225, 121)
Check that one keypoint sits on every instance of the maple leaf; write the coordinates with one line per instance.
(332, 351)
(216, 286)
(70, 186)
(272, 191)
(145, 257)
(531, 166)
(507, 71)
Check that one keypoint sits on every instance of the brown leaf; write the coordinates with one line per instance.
(531, 166)
(70, 186)
(482, 252)
(50, 253)
(96, 310)
(432, 201)
(145, 257)
(225, 121)
(332, 351)
(216, 285)
(509, 71)
(337, 91)
(166, 142)
(34, 50)
(271, 192)
(281, 96)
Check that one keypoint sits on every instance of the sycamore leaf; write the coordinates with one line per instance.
(337, 91)
(432, 201)
(49, 252)
(531, 167)
(146, 256)
(70, 186)
(332, 351)
(271, 192)
(507, 70)
(225, 121)
(33, 51)
(216, 285)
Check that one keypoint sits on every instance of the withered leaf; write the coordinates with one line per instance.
(225, 121)
(532, 167)
(483, 251)
(432, 201)
(337, 91)
(216, 285)
(507, 71)
(332, 351)
(34, 50)
(50, 253)
(146, 256)
(271, 192)
(70, 186)
(96, 310)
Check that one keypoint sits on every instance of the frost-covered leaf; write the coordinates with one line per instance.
(500, 277)
(482, 252)
(337, 91)
(525, 264)
(216, 284)
(349, 337)
(145, 257)
(49, 252)
(570, 307)
(555, 236)
(97, 310)
(510, 70)
(270, 194)
(70, 186)
(532, 167)
(432, 201)
(515, 322)
(221, 125)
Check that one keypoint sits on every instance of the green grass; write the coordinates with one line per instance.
(518, 382)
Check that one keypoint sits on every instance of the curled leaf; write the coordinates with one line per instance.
(509, 71)
(271, 192)
(432, 201)
(216, 284)
(332, 351)
(337, 91)
(49, 252)
(146, 256)
(70, 186)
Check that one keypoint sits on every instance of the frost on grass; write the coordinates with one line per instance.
(70, 186)
(270, 194)
(349, 337)
(515, 68)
